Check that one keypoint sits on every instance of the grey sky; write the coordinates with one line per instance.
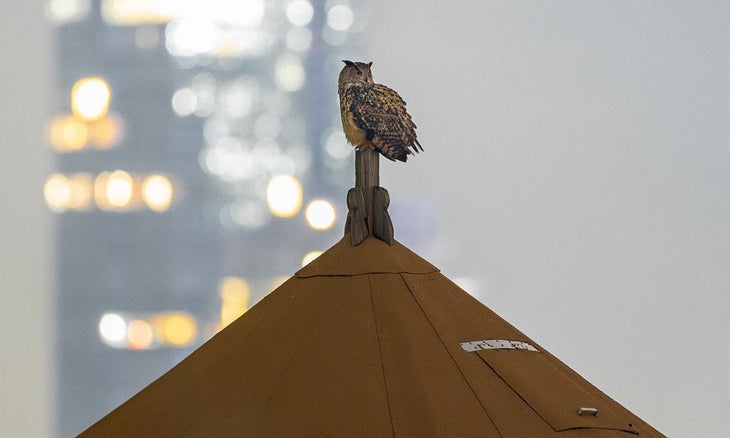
(579, 157)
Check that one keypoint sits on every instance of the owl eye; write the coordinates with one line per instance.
(358, 72)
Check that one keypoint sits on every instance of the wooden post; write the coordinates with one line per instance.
(367, 202)
(367, 177)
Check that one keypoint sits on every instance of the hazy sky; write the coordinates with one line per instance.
(578, 153)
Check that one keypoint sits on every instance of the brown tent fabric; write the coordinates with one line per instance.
(365, 341)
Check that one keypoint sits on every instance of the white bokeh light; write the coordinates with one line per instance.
(289, 73)
(184, 101)
(299, 12)
(113, 330)
(320, 214)
(336, 145)
(67, 11)
(340, 17)
(191, 37)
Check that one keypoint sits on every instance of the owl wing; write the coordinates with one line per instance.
(381, 113)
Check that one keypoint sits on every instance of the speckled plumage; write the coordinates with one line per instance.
(373, 115)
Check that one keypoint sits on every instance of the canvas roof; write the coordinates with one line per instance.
(366, 341)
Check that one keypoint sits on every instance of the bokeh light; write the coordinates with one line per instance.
(64, 192)
(90, 98)
(299, 12)
(284, 195)
(140, 335)
(320, 215)
(68, 133)
(106, 132)
(250, 214)
(289, 73)
(57, 191)
(184, 101)
(157, 192)
(67, 11)
(336, 145)
(340, 17)
(178, 329)
(191, 37)
(113, 330)
(277, 281)
(310, 256)
(81, 187)
(119, 188)
(235, 295)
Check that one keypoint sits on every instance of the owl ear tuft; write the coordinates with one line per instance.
(348, 63)
(370, 64)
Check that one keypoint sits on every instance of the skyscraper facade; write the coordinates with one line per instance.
(199, 160)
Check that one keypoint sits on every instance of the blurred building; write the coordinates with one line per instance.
(199, 160)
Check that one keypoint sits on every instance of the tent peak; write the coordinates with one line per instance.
(370, 256)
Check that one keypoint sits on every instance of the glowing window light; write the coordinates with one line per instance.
(320, 215)
(179, 329)
(299, 12)
(67, 133)
(106, 132)
(140, 335)
(284, 195)
(119, 189)
(90, 98)
(289, 73)
(67, 11)
(309, 257)
(125, 12)
(340, 17)
(157, 192)
(228, 12)
(113, 330)
(57, 191)
(81, 191)
(235, 295)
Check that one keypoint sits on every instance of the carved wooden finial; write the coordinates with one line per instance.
(368, 202)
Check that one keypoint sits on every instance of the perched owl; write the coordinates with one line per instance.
(373, 115)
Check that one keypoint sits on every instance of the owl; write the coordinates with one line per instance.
(373, 115)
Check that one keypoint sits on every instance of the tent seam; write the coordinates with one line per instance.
(380, 351)
(438, 335)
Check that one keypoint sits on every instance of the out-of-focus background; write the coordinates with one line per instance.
(165, 164)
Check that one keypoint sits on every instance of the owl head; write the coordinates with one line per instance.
(355, 72)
